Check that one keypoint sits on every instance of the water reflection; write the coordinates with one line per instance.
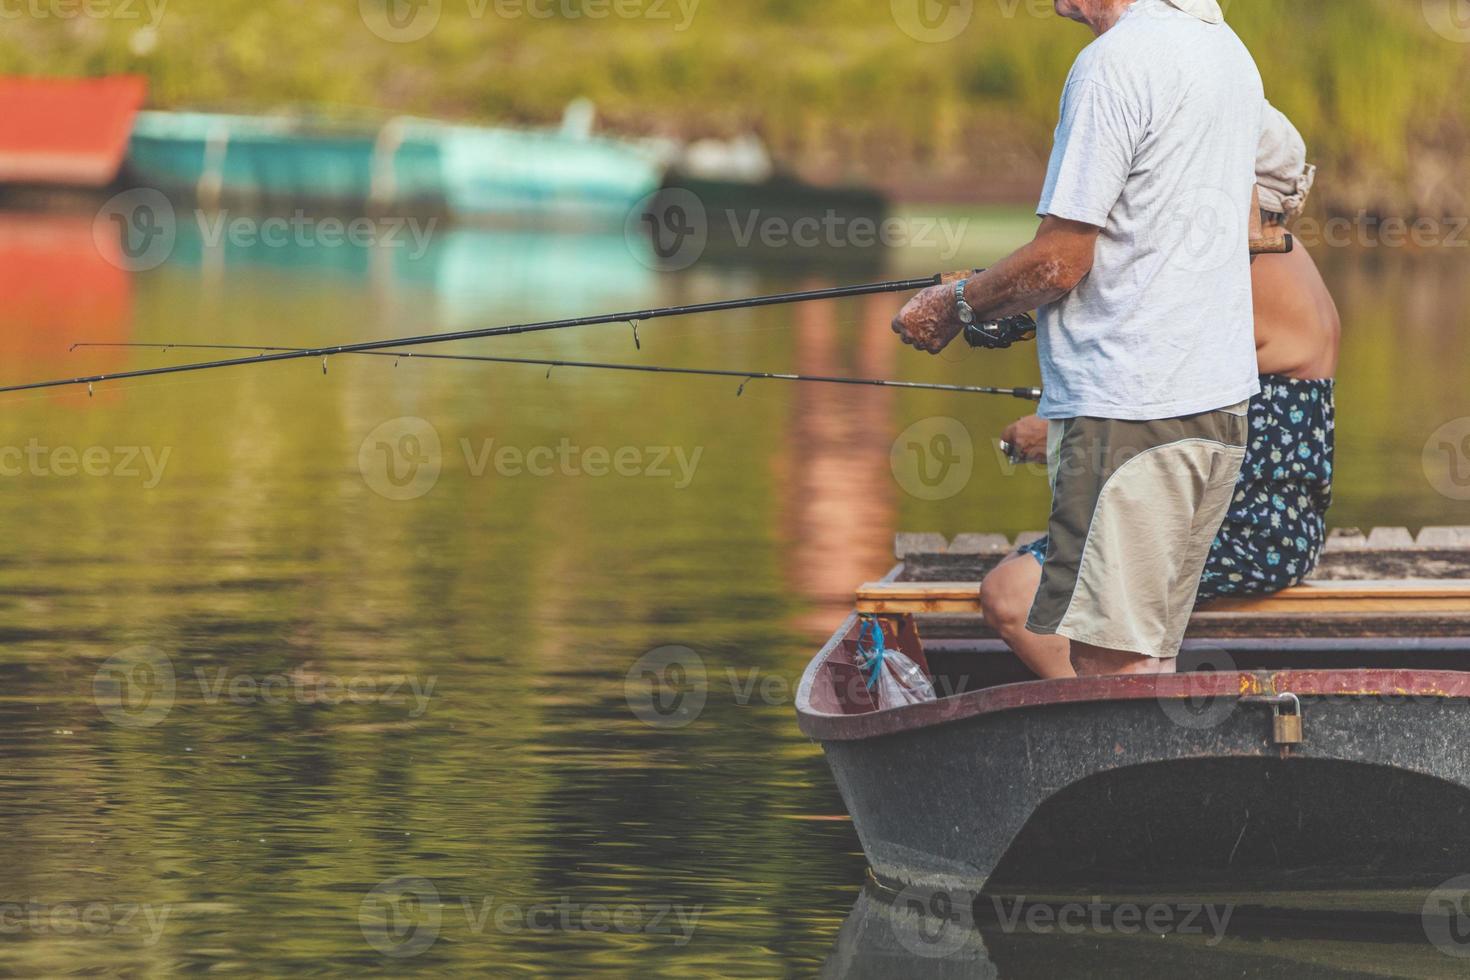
(268, 568)
(902, 937)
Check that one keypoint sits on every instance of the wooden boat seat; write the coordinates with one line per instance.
(1323, 610)
(1403, 596)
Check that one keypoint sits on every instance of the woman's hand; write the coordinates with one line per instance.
(1027, 438)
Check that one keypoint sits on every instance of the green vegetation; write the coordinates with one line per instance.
(836, 87)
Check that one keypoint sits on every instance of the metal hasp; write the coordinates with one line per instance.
(1286, 725)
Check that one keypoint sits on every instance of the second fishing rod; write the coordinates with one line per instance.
(632, 318)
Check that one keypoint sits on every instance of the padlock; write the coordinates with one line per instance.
(1288, 727)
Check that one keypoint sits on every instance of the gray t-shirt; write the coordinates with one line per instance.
(1160, 122)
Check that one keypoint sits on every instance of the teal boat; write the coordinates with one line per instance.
(469, 172)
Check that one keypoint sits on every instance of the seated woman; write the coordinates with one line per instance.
(1274, 532)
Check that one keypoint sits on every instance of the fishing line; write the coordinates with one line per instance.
(552, 364)
(779, 299)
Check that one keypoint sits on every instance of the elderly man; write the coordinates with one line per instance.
(1276, 526)
(1141, 273)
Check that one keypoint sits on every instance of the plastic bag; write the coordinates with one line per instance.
(892, 676)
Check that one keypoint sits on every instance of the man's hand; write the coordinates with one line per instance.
(1027, 438)
(930, 320)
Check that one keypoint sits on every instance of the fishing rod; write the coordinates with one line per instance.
(1028, 394)
(633, 319)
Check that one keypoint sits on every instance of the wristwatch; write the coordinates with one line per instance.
(966, 311)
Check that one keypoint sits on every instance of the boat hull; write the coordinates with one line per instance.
(1147, 782)
(467, 172)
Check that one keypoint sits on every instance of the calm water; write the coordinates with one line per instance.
(342, 673)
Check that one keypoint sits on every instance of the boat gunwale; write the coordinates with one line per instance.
(1119, 689)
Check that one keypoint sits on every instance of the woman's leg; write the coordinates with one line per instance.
(1005, 598)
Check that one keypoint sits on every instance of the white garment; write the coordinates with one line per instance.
(1206, 10)
(1160, 123)
(1284, 178)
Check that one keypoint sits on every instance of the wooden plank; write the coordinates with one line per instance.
(909, 545)
(1448, 597)
(980, 544)
(1449, 538)
(1390, 539)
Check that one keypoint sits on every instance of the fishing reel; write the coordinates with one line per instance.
(1000, 334)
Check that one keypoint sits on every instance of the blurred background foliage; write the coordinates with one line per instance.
(837, 88)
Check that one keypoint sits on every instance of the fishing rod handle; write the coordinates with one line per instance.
(1284, 245)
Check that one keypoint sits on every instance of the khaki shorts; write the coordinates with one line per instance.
(1135, 509)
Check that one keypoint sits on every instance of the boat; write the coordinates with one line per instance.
(470, 173)
(64, 137)
(1314, 739)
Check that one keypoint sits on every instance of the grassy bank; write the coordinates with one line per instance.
(839, 89)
